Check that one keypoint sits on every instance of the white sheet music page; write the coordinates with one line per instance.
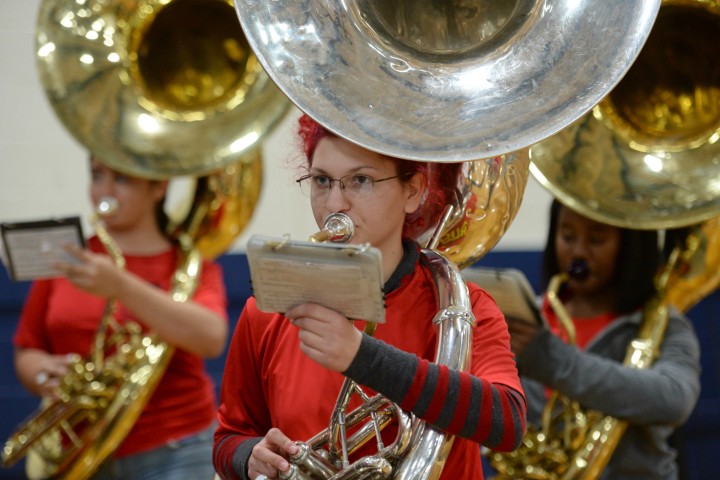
(345, 278)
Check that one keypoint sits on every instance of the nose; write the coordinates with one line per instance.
(336, 200)
(102, 187)
(580, 249)
(105, 188)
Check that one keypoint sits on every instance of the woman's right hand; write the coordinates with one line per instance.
(51, 372)
(269, 457)
(41, 372)
(94, 273)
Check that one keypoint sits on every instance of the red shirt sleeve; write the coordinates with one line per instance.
(31, 331)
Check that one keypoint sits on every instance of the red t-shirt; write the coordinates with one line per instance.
(268, 382)
(585, 328)
(59, 318)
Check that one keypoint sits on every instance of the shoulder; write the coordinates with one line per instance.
(258, 321)
(482, 302)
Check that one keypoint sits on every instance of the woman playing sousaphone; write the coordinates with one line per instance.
(610, 287)
(172, 436)
(284, 372)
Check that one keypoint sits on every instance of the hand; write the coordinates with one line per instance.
(522, 334)
(269, 456)
(51, 369)
(95, 273)
(326, 336)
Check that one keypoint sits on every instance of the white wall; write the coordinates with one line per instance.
(43, 170)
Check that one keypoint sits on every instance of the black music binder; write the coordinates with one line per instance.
(33, 247)
(345, 278)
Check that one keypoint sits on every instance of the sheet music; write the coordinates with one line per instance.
(345, 278)
(32, 248)
(510, 289)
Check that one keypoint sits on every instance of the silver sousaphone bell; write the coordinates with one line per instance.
(446, 81)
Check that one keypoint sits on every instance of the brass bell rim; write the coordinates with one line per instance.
(90, 74)
(649, 156)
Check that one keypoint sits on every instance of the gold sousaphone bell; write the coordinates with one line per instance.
(155, 88)
(648, 155)
(160, 89)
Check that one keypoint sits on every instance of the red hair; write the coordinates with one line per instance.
(441, 179)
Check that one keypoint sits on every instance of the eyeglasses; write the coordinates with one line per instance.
(355, 184)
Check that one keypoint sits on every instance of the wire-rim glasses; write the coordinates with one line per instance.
(358, 185)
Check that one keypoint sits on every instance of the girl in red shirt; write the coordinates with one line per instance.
(284, 372)
(62, 315)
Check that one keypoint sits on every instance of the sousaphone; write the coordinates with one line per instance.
(155, 89)
(648, 154)
(646, 157)
(446, 81)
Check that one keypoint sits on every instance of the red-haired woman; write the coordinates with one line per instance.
(284, 372)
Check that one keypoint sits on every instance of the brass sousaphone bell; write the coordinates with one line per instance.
(648, 155)
(155, 88)
(159, 89)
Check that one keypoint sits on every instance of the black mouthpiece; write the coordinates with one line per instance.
(578, 270)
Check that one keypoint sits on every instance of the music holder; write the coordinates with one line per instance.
(344, 278)
(510, 289)
(32, 248)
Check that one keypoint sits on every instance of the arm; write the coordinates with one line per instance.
(198, 325)
(243, 414)
(456, 402)
(189, 325)
(39, 371)
(481, 405)
(665, 393)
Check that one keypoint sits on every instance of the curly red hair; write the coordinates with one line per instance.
(441, 179)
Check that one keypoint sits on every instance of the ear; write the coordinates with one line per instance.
(414, 191)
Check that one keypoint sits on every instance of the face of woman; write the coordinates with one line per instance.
(378, 216)
(597, 244)
(136, 197)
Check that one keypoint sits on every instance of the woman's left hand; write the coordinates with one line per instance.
(522, 334)
(326, 336)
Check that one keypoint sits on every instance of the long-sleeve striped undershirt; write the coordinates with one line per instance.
(453, 401)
